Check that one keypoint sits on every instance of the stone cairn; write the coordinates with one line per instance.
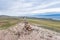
(27, 28)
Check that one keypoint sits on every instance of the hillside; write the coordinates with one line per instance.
(17, 33)
(13, 28)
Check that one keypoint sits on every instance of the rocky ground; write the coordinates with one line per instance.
(18, 33)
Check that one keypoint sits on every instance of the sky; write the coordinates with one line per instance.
(28, 7)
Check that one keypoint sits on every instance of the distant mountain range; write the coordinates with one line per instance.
(55, 16)
(49, 15)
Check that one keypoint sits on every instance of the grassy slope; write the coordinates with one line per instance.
(6, 23)
(49, 24)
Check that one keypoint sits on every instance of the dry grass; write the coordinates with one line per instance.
(49, 24)
(6, 23)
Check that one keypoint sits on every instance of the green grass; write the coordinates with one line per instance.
(49, 24)
(6, 23)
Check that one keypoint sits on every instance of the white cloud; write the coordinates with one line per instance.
(20, 7)
(47, 10)
(47, 5)
(41, 6)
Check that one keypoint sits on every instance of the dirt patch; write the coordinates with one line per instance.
(19, 33)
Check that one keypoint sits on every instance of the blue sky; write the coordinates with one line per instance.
(29, 7)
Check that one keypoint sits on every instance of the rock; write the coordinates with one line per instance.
(19, 32)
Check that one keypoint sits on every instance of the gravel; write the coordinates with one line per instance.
(17, 33)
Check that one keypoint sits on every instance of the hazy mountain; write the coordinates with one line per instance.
(49, 15)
